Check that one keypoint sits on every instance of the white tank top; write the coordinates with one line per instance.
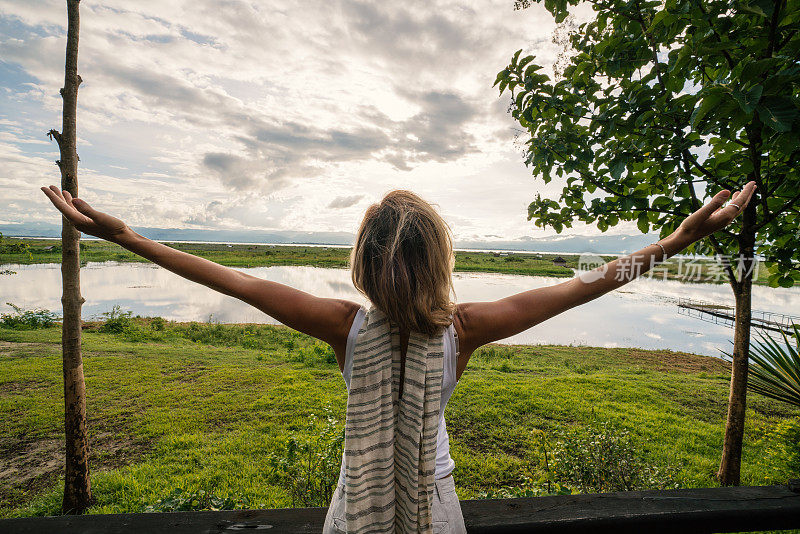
(444, 464)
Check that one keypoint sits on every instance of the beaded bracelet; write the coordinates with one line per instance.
(663, 250)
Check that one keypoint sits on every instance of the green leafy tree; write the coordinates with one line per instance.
(659, 105)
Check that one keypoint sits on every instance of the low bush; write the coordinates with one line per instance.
(307, 464)
(602, 457)
(28, 319)
(116, 321)
(157, 324)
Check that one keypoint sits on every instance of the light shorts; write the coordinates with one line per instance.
(446, 510)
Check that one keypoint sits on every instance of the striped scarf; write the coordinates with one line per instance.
(390, 442)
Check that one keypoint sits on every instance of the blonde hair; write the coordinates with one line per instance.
(402, 261)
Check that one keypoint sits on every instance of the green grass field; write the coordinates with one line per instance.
(31, 251)
(188, 407)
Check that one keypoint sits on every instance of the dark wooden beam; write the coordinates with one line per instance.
(729, 509)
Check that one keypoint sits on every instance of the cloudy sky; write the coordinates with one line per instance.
(264, 115)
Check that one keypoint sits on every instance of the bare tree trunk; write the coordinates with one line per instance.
(730, 464)
(77, 486)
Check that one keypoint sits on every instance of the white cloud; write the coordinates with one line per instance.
(344, 202)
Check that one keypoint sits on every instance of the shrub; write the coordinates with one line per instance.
(116, 320)
(13, 247)
(28, 319)
(308, 464)
(157, 324)
(603, 458)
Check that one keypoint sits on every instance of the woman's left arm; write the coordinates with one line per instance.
(479, 323)
(323, 318)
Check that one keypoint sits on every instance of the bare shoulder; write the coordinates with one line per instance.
(479, 323)
(474, 323)
(343, 312)
(347, 308)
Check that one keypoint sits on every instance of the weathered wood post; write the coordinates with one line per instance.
(77, 486)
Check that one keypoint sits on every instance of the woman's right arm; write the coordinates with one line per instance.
(478, 323)
(323, 318)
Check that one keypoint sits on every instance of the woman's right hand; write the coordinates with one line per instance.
(85, 218)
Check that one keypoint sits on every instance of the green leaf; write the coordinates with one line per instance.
(617, 168)
(748, 101)
(752, 8)
(658, 18)
(643, 223)
(778, 112)
(644, 117)
(706, 105)
(515, 57)
(531, 69)
(502, 75)
(754, 69)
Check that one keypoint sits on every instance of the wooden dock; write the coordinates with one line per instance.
(726, 316)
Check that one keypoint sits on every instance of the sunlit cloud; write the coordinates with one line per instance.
(279, 116)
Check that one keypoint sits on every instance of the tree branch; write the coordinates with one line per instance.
(591, 180)
(649, 210)
(706, 172)
(717, 246)
(773, 28)
(754, 136)
(791, 202)
(54, 134)
(779, 178)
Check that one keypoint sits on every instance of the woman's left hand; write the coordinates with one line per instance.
(714, 216)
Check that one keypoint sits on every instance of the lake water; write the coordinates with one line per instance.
(644, 313)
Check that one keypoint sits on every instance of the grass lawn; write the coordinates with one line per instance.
(202, 407)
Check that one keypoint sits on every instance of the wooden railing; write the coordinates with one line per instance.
(732, 509)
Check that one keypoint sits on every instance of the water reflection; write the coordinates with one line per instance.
(643, 313)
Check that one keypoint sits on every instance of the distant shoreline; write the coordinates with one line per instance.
(27, 251)
(322, 245)
(600, 243)
(48, 250)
